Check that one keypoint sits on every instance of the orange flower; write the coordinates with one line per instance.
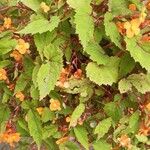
(11, 86)
(7, 23)
(16, 55)
(62, 82)
(120, 27)
(20, 96)
(78, 74)
(68, 119)
(9, 138)
(44, 7)
(148, 107)
(144, 129)
(132, 27)
(3, 74)
(125, 141)
(22, 46)
(62, 140)
(54, 105)
(148, 5)
(132, 7)
(40, 110)
(80, 121)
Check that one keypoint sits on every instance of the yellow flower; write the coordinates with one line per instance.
(125, 141)
(148, 5)
(68, 119)
(22, 46)
(7, 23)
(132, 7)
(26, 118)
(3, 74)
(143, 15)
(148, 107)
(44, 7)
(9, 138)
(16, 55)
(40, 110)
(20, 96)
(132, 27)
(62, 140)
(54, 105)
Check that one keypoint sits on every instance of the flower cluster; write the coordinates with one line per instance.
(44, 7)
(9, 137)
(55, 105)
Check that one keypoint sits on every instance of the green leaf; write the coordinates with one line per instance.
(34, 75)
(111, 29)
(141, 138)
(22, 127)
(47, 115)
(23, 124)
(101, 145)
(103, 127)
(41, 25)
(33, 4)
(48, 131)
(119, 7)
(28, 66)
(77, 5)
(69, 146)
(96, 53)
(53, 53)
(6, 45)
(139, 81)
(4, 63)
(35, 127)
(5, 114)
(82, 137)
(6, 95)
(113, 111)
(34, 93)
(106, 75)
(76, 114)
(43, 40)
(134, 122)
(21, 83)
(46, 82)
(126, 65)
(84, 28)
(138, 53)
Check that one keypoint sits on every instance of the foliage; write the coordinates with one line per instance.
(75, 74)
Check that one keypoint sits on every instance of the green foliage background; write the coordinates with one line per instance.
(110, 98)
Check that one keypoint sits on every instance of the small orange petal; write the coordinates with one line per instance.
(22, 46)
(44, 7)
(7, 23)
(54, 105)
(132, 7)
(3, 74)
(40, 110)
(148, 107)
(16, 55)
(68, 119)
(62, 140)
(20, 96)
